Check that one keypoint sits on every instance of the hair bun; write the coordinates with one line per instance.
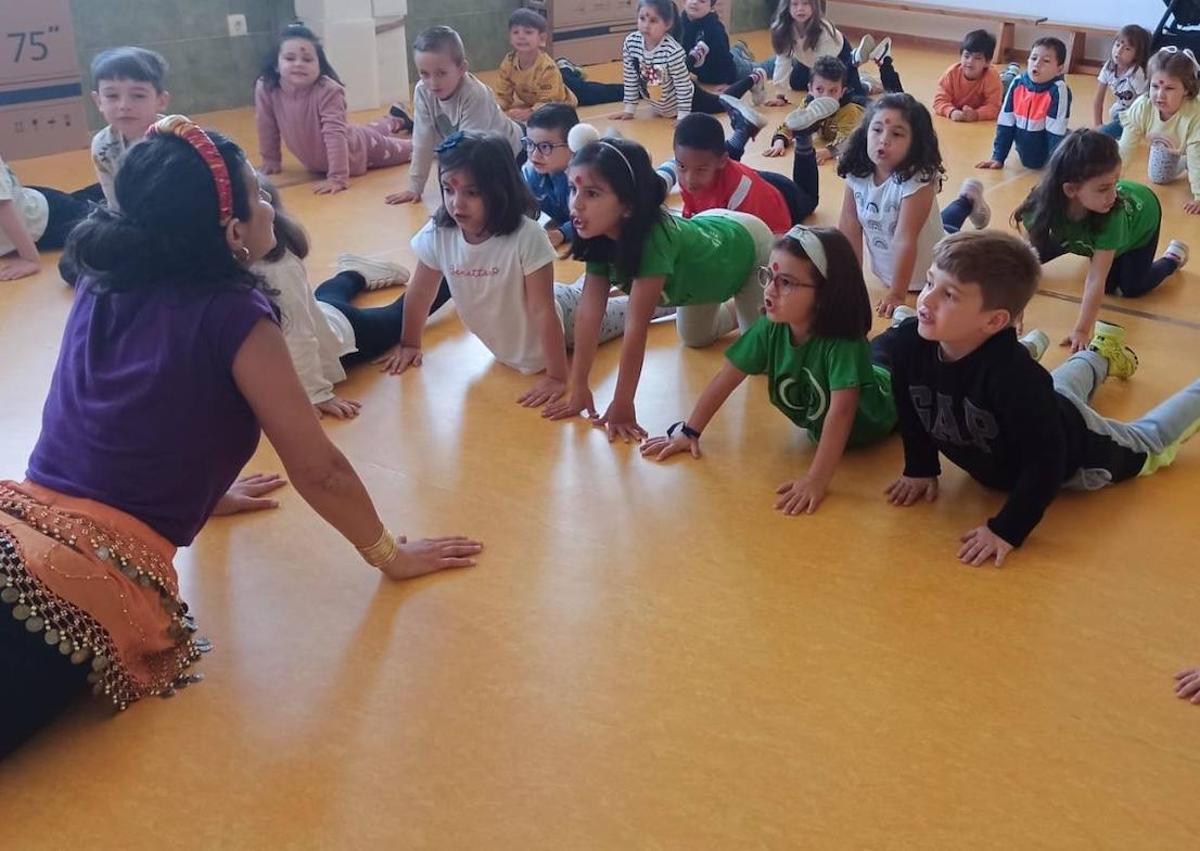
(582, 135)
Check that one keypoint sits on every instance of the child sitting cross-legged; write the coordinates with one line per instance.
(529, 78)
(812, 346)
(970, 89)
(965, 387)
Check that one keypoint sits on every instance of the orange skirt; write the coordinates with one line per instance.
(98, 584)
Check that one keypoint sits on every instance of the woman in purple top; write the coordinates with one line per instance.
(171, 362)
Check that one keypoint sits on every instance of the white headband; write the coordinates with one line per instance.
(582, 135)
(1171, 49)
(811, 243)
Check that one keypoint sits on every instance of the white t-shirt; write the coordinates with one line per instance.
(317, 334)
(487, 283)
(31, 206)
(879, 214)
(1125, 87)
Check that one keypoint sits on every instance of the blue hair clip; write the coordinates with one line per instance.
(451, 142)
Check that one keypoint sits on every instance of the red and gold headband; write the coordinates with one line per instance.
(194, 135)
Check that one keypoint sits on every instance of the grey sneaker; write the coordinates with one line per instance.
(1036, 342)
(1177, 250)
(742, 116)
(377, 273)
(981, 213)
(901, 313)
(806, 117)
(863, 51)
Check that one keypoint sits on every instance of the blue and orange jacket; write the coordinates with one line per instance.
(1032, 113)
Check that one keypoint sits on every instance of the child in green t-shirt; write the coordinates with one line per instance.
(812, 346)
(1082, 207)
(706, 267)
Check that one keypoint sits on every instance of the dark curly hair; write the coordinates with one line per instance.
(924, 159)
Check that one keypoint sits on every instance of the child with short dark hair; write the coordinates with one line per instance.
(1035, 109)
(299, 100)
(710, 177)
(812, 346)
(129, 89)
(970, 89)
(529, 78)
(545, 170)
(965, 387)
(448, 99)
(832, 113)
(1124, 74)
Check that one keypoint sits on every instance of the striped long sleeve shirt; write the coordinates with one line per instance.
(662, 72)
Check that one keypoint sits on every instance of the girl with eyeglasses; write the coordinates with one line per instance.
(812, 346)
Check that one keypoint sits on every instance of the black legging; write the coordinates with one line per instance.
(799, 203)
(376, 329)
(798, 81)
(65, 211)
(1133, 273)
(702, 99)
(39, 682)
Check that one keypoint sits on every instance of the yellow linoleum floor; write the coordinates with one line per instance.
(647, 656)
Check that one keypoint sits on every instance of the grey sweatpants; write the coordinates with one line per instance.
(1157, 435)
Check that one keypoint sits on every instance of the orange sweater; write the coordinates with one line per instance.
(954, 91)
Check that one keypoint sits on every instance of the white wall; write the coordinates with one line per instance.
(1112, 13)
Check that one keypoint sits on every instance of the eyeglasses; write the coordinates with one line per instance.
(543, 148)
(782, 283)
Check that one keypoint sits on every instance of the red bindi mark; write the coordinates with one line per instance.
(577, 180)
(454, 182)
(774, 267)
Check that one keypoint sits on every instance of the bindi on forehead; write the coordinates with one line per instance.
(775, 266)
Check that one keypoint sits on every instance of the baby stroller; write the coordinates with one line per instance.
(1180, 25)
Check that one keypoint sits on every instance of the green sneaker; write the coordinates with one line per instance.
(1109, 342)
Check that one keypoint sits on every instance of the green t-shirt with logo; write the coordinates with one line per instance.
(704, 259)
(803, 377)
(1128, 225)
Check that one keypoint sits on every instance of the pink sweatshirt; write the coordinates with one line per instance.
(312, 123)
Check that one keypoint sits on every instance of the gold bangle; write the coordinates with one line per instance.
(380, 552)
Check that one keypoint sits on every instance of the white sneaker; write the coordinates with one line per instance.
(377, 273)
(865, 46)
(806, 117)
(882, 51)
(758, 92)
(981, 213)
(874, 84)
(740, 111)
(901, 313)
(1036, 342)
(1177, 250)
